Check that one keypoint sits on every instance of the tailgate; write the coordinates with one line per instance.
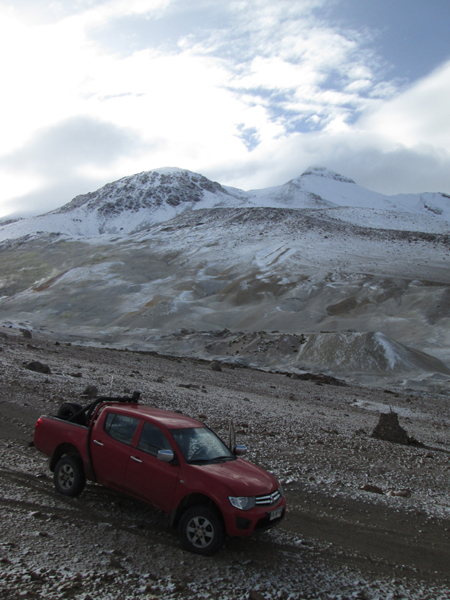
(51, 432)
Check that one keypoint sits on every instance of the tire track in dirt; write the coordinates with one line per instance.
(390, 539)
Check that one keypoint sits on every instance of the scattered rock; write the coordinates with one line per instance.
(400, 493)
(361, 432)
(319, 379)
(38, 367)
(254, 595)
(374, 489)
(91, 391)
(115, 563)
(216, 366)
(26, 334)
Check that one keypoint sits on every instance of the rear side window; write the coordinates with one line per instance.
(121, 427)
(153, 439)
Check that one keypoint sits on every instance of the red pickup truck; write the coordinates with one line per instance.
(170, 460)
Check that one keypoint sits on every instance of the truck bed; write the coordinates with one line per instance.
(52, 432)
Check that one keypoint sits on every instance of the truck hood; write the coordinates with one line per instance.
(241, 477)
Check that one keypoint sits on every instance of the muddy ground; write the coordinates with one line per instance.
(336, 542)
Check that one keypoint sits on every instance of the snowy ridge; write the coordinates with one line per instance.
(139, 201)
(346, 280)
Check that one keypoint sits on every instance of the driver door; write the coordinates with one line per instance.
(146, 476)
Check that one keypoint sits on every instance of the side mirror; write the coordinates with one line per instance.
(166, 456)
(240, 450)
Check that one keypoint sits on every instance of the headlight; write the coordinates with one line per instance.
(280, 489)
(243, 503)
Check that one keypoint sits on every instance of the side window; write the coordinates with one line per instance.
(121, 427)
(153, 439)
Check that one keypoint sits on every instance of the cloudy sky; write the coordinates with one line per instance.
(247, 92)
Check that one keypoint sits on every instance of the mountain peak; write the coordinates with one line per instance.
(137, 202)
(326, 173)
(167, 186)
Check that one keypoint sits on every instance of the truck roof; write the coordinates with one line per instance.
(169, 419)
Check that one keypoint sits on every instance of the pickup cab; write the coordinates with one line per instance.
(165, 458)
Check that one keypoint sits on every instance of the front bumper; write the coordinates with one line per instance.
(242, 523)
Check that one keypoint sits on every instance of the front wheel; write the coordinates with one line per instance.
(69, 476)
(201, 531)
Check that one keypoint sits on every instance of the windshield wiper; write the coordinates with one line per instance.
(219, 458)
(200, 461)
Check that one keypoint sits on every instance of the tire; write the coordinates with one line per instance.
(201, 530)
(69, 477)
(69, 409)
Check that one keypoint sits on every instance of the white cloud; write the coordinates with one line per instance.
(419, 115)
(251, 104)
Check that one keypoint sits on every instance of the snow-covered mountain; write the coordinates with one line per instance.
(317, 273)
(139, 201)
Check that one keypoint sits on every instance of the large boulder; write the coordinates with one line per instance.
(38, 367)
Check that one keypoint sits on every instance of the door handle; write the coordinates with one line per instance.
(136, 459)
(98, 443)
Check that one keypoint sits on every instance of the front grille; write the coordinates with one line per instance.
(268, 499)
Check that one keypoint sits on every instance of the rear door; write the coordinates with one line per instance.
(111, 447)
(146, 476)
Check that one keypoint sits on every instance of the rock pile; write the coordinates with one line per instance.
(389, 429)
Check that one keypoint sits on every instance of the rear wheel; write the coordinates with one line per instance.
(69, 477)
(201, 530)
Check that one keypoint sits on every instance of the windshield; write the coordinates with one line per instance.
(200, 444)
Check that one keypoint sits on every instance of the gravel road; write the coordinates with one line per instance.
(337, 541)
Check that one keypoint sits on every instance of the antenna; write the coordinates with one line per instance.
(110, 389)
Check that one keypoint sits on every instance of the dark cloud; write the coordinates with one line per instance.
(59, 154)
(60, 150)
(397, 171)
(51, 195)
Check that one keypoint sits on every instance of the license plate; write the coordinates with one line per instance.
(276, 514)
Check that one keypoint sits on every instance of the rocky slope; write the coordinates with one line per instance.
(362, 277)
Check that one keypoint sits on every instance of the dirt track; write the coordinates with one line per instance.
(336, 542)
